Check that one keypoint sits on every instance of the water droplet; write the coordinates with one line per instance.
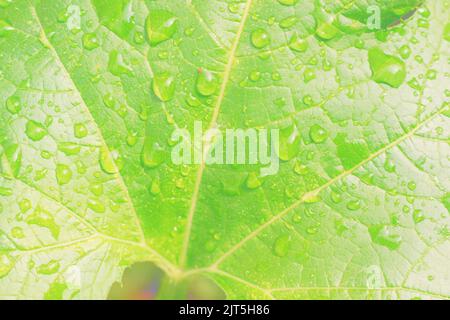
(260, 38)
(17, 233)
(282, 245)
(253, 182)
(300, 168)
(385, 236)
(110, 161)
(13, 104)
(164, 86)
(447, 32)
(418, 216)
(80, 131)
(25, 205)
(96, 206)
(44, 219)
(206, 83)
(6, 265)
(5, 28)
(309, 74)
(155, 187)
(63, 174)
(117, 65)
(289, 143)
(35, 131)
(132, 139)
(327, 31)
(49, 268)
(298, 44)
(387, 69)
(90, 41)
(161, 25)
(5, 3)
(431, 74)
(412, 185)
(318, 134)
(354, 205)
(152, 155)
(288, 22)
(336, 197)
(405, 51)
(255, 76)
(288, 2)
(5, 192)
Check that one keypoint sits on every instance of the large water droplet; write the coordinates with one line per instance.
(288, 22)
(327, 31)
(260, 38)
(35, 131)
(318, 134)
(164, 86)
(160, 25)
(387, 69)
(385, 236)
(69, 148)
(206, 83)
(253, 182)
(13, 104)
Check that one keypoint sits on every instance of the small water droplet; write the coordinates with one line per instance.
(298, 44)
(96, 206)
(80, 131)
(354, 205)
(5, 28)
(117, 65)
(253, 182)
(289, 143)
(288, 22)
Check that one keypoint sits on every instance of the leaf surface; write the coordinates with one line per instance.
(92, 90)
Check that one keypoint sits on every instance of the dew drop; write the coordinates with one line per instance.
(155, 187)
(327, 31)
(253, 182)
(384, 235)
(35, 130)
(90, 41)
(63, 174)
(281, 246)
(288, 22)
(354, 205)
(206, 83)
(80, 131)
(49, 268)
(5, 192)
(152, 155)
(318, 134)
(5, 28)
(117, 65)
(110, 161)
(161, 25)
(298, 44)
(447, 32)
(260, 38)
(288, 2)
(96, 206)
(164, 86)
(387, 69)
(6, 265)
(289, 143)
(13, 104)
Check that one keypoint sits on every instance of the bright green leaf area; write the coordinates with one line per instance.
(91, 91)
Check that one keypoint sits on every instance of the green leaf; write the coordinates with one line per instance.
(91, 92)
